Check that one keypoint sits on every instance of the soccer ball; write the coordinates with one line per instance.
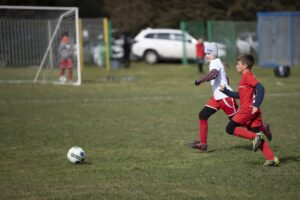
(62, 79)
(76, 155)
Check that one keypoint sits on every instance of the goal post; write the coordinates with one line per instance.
(40, 45)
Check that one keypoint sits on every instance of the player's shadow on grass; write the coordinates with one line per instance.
(289, 159)
(208, 151)
(199, 151)
(245, 147)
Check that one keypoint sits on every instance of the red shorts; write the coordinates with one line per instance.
(228, 105)
(66, 63)
(245, 118)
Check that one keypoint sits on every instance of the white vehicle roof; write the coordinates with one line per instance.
(160, 30)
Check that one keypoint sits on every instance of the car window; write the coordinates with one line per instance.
(179, 37)
(165, 36)
(150, 35)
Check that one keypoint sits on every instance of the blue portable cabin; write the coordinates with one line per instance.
(278, 38)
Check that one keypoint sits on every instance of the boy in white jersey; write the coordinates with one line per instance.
(217, 76)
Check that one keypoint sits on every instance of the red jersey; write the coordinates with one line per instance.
(200, 50)
(247, 90)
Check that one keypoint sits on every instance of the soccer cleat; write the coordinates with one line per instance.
(257, 141)
(267, 131)
(195, 142)
(201, 147)
(272, 163)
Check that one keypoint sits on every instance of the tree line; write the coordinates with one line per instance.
(133, 15)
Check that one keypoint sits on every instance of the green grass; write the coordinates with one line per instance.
(134, 130)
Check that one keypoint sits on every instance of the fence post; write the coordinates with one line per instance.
(209, 31)
(183, 29)
(107, 39)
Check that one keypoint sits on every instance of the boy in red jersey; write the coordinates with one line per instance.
(251, 94)
(217, 76)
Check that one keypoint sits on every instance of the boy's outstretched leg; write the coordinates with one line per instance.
(202, 143)
(255, 137)
(271, 160)
(204, 114)
(234, 128)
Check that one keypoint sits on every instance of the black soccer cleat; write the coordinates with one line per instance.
(199, 146)
(267, 131)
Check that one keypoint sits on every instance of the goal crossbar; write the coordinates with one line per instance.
(37, 8)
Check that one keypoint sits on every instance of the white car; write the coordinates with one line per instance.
(166, 44)
(247, 43)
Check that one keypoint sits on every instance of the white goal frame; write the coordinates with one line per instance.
(68, 11)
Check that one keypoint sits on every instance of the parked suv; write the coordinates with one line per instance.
(165, 44)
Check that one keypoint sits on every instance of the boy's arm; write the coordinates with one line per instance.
(260, 93)
(229, 93)
(207, 77)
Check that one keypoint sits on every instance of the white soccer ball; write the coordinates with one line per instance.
(62, 79)
(76, 155)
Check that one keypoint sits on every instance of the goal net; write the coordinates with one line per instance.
(39, 45)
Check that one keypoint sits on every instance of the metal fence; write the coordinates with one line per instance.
(234, 37)
(238, 37)
(93, 41)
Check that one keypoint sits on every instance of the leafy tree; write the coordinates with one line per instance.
(133, 15)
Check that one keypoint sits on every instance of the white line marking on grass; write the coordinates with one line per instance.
(106, 99)
(125, 99)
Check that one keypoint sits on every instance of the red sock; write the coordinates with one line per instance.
(244, 133)
(62, 72)
(267, 151)
(203, 127)
(70, 73)
(265, 148)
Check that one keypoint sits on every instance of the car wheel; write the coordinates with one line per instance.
(151, 57)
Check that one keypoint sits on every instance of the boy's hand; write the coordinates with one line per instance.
(222, 88)
(254, 110)
(197, 82)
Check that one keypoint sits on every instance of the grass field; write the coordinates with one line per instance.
(135, 131)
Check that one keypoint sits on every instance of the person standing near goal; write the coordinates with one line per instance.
(66, 49)
(200, 54)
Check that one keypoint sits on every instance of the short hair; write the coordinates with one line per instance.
(246, 59)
